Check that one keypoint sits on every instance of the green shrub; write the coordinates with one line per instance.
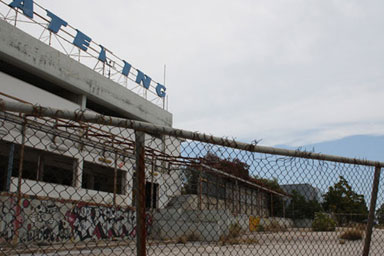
(274, 226)
(260, 228)
(323, 222)
(193, 237)
(352, 235)
(234, 231)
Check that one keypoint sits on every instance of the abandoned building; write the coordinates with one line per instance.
(59, 170)
(70, 181)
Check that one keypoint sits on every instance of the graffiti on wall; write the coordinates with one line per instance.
(92, 222)
(8, 218)
(54, 221)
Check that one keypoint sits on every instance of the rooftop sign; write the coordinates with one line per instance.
(56, 25)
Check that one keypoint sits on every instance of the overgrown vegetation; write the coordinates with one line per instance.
(352, 235)
(233, 235)
(192, 237)
(380, 214)
(260, 228)
(323, 222)
(300, 208)
(234, 230)
(274, 226)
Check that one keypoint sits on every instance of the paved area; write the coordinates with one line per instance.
(282, 243)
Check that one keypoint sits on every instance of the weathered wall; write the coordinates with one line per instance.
(57, 221)
(206, 225)
(192, 202)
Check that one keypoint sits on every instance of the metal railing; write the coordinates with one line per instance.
(82, 183)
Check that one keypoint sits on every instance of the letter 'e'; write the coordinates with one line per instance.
(82, 40)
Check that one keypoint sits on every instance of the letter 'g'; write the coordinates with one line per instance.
(160, 90)
(25, 5)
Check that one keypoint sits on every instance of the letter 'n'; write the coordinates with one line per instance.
(143, 78)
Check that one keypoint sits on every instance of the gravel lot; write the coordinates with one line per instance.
(282, 243)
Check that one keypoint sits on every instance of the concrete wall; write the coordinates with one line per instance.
(192, 202)
(29, 93)
(183, 217)
(206, 225)
(38, 220)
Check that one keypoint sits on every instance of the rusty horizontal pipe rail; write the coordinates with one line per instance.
(40, 111)
(214, 170)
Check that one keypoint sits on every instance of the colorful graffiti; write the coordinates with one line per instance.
(55, 221)
(7, 218)
(92, 222)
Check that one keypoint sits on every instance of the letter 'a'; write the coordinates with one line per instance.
(25, 5)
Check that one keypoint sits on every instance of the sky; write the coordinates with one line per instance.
(292, 72)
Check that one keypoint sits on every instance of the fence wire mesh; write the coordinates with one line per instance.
(76, 187)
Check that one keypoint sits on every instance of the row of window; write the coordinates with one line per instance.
(54, 168)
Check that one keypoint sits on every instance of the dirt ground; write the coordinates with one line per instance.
(281, 243)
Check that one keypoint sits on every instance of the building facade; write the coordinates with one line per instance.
(70, 181)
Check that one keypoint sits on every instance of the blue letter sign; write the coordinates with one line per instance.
(25, 5)
(102, 54)
(160, 90)
(56, 23)
(141, 77)
(82, 40)
(126, 69)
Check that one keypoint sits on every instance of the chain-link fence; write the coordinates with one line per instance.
(80, 183)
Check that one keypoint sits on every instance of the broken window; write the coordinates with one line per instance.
(101, 178)
(37, 164)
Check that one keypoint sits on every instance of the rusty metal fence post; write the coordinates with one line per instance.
(19, 183)
(140, 194)
(371, 216)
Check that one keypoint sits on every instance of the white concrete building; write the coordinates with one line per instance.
(33, 72)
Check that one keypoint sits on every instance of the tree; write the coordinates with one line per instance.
(346, 204)
(300, 208)
(231, 166)
(380, 214)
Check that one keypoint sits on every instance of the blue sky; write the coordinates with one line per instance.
(357, 146)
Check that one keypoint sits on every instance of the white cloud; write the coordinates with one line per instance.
(292, 72)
